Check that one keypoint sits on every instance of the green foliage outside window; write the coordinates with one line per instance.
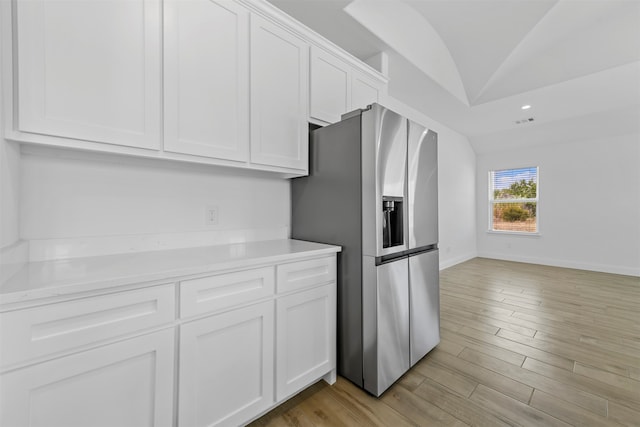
(514, 200)
(513, 213)
(519, 190)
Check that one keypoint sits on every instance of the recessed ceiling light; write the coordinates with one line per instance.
(526, 107)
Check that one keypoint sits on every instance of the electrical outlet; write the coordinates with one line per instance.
(211, 215)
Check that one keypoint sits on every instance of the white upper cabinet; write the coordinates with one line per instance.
(206, 80)
(338, 87)
(225, 82)
(90, 70)
(364, 90)
(279, 96)
(330, 83)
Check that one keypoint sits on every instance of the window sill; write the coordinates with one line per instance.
(514, 233)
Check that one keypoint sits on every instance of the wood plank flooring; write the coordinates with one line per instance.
(521, 344)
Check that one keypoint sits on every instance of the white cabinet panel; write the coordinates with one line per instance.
(330, 94)
(338, 87)
(39, 331)
(302, 274)
(279, 94)
(306, 338)
(208, 294)
(129, 383)
(67, 369)
(364, 91)
(90, 70)
(226, 367)
(206, 81)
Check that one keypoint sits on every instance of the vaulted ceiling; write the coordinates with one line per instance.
(471, 64)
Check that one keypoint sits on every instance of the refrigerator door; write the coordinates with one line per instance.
(424, 312)
(422, 186)
(386, 334)
(384, 173)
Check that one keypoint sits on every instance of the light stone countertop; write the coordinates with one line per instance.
(46, 279)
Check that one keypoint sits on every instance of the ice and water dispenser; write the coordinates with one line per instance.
(392, 229)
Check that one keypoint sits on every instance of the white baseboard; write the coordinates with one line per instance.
(603, 268)
(457, 260)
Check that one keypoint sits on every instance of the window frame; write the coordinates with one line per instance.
(492, 202)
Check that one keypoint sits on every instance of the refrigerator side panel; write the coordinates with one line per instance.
(422, 186)
(326, 208)
(384, 173)
(392, 335)
(369, 323)
(424, 313)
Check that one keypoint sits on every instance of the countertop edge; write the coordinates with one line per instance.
(124, 282)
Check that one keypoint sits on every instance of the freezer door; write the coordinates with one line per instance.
(422, 186)
(386, 334)
(424, 312)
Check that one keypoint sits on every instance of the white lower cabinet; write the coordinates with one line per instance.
(247, 339)
(226, 367)
(305, 338)
(128, 383)
(239, 363)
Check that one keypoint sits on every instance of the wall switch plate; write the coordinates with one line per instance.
(211, 215)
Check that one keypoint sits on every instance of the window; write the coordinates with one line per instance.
(513, 200)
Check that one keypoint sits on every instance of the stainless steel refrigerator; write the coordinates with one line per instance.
(373, 189)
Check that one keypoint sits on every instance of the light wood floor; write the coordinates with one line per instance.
(521, 345)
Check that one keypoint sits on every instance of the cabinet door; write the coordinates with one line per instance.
(330, 94)
(90, 70)
(279, 94)
(364, 91)
(226, 367)
(206, 81)
(306, 338)
(129, 383)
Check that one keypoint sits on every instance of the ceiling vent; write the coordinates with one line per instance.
(523, 121)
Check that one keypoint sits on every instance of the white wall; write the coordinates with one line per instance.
(457, 198)
(456, 188)
(589, 209)
(456, 162)
(9, 185)
(9, 192)
(70, 197)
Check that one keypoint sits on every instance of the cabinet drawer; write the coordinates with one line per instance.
(35, 332)
(207, 294)
(302, 274)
